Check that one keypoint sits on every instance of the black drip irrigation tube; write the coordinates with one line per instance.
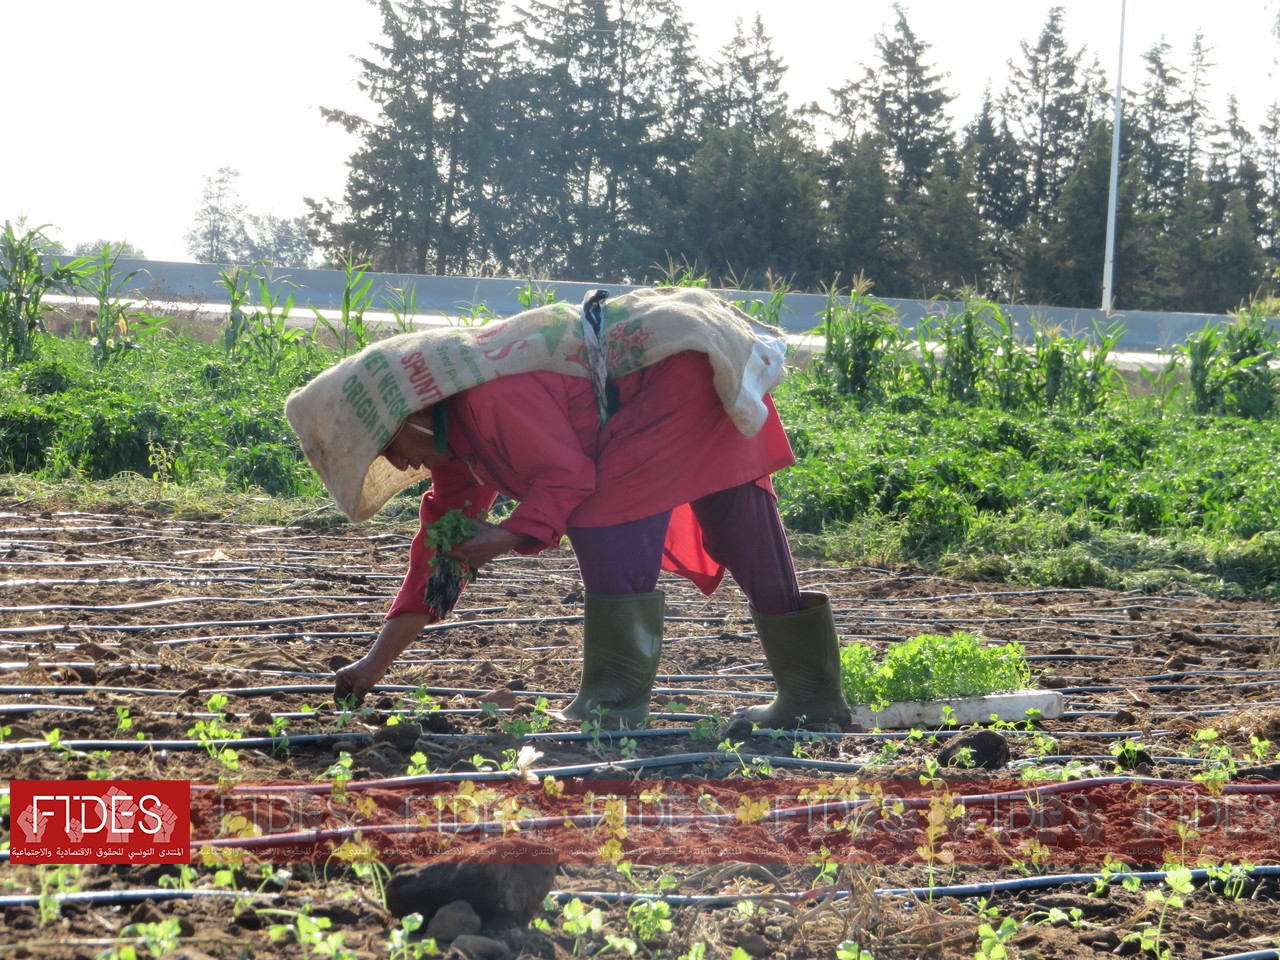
(109, 897)
(567, 736)
(958, 891)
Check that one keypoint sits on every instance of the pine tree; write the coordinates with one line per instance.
(991, 152)
(423, 159)
(863, 232)
(906, 103)
(597, 131)
(1066, 269)
(746, 83)
(1054, 104)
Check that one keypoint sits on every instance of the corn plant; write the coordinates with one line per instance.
(25, 279)
(865, 348)
(349, 331)
(965, 341)
(235, 281)
(260, 331)
(1230, 369)
(534, 294)
(402, 303)
(117, 324)
(684, 274)
(770, 310)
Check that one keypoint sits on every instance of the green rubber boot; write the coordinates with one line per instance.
(804, 654)
(621, 643)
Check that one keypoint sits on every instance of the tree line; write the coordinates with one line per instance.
(586, 139)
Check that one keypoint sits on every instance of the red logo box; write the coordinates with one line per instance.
(100, 821)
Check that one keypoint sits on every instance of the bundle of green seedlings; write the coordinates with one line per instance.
(447, 575)
(932, 667)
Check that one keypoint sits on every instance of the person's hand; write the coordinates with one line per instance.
(356, 680)
(487, 542)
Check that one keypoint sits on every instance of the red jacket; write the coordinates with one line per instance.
(535, 437)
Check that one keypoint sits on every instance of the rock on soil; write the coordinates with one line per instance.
(501, 894)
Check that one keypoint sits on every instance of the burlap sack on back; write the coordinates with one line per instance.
(348, 414)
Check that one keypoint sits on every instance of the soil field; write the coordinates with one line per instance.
(106, 613)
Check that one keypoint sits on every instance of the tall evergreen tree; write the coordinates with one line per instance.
(863, 235)
(746, 83)
(754, 207)
(1269, 166)
(424, 157)
(1156, 124)
(906, 102)
(596, 125)
(1049, 101)
(949, 239)
(992, 154)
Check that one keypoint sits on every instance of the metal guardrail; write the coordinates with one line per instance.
(170, 281)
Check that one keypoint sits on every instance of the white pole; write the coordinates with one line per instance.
(1109, 261)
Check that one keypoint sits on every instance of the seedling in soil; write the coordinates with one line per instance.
(103, 771)
(417, 765)
(1128, 754)
(181, 880)
(365, 864)
(447, 575)
(1057, 917)
(649, 918)
(54, 739)
(276, 730)
(160, 938)
(310, 934)
(1110, 870)
(402, 946)
(991, 940)
(578, 922)
(212, 732)
(419, 703)
(340, 773)
(1148, 940)
(55, 880)
(1230, 879)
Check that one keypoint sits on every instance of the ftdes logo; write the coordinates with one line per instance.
(100, 821)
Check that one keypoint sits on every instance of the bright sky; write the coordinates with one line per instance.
(117, 110)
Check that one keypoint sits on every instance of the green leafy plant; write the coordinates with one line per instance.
(311, 934)
(992, 940)
(932, 667)
(55, 880)
(25, 280)
(1176, 886)
(117, 326)
(350, 331)
(448, 575)
(649, 918)
(402, 946)
(580, 922)
(213, 732)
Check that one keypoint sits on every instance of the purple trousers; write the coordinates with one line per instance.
(741, 529)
